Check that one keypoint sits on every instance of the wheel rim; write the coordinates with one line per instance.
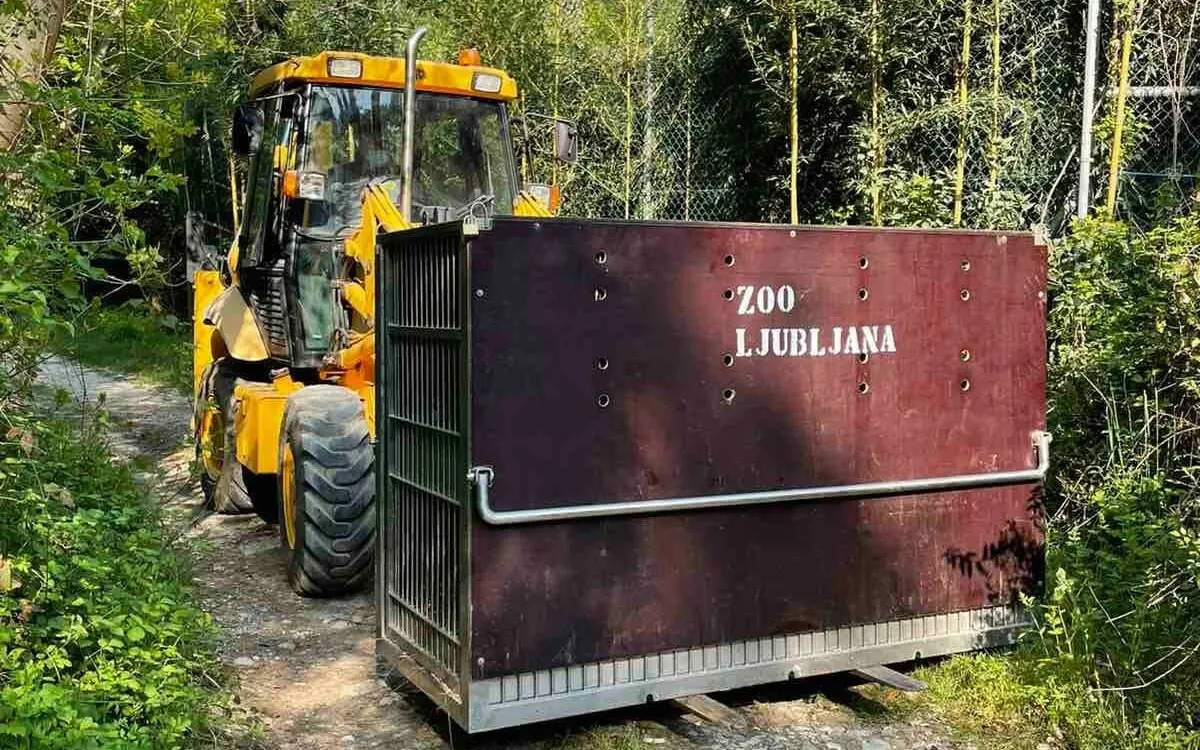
(289, 495)
(212, 442)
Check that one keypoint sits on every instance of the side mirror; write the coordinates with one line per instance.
(247, 129)
(566, 141)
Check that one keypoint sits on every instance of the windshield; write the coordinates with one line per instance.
(356, 136)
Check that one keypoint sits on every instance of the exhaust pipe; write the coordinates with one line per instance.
(410, 113)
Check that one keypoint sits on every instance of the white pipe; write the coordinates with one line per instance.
(1089, 105)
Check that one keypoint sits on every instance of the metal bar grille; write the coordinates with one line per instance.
(422, 412)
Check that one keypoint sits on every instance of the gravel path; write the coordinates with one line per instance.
(307, 668)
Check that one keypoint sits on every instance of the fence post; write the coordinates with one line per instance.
(1083, 199)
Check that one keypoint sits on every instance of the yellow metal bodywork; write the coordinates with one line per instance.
(232, 318)
(206, 285)
(387, 72)
(528, 206)
(259, 421)
(288, 513)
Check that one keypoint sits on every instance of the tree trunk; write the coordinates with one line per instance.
(29, 40)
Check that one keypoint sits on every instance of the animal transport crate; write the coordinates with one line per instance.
(622, 462)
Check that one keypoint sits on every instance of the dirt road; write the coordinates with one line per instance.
(307, 668)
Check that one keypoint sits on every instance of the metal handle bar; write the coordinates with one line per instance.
(481, 477)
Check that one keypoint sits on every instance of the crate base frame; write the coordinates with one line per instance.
(578, 689)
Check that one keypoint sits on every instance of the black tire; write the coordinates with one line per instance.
(327, 492)
(234, 490)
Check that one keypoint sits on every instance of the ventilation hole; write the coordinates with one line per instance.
(601, 258)
(965, 265)
(602, 363)
(863, 293)
(965, 295)
(727, 294)
(864, 358)
(864, 388)
(727, 360)
(728, 394)
(603, 401)
(729, 260)
(863, 262)
(965, 355)
(964, 385)
(601, 294)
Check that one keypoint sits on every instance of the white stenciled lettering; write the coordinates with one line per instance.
(799, 342)
(742, 351)
(785, 299)
(850, 346)
(766, 300)
(816, 348)
(746, 303)
(814, 342)
(889, 341)
(779, 342)
(870, 342)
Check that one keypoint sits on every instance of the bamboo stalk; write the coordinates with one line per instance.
(960, 160)
(877, 150)
(629, 63)
(793, 67)
(557, 62)
(1116, 156)
(994, 140)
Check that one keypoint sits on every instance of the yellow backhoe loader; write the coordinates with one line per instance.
(341, 146)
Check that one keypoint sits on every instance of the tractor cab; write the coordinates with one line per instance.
(323, 131)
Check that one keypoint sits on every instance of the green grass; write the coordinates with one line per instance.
(134, 340)
(1024, 699)
(102, 646)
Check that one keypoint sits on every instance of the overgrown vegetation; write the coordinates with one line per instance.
(101, 645)
(1112, 661)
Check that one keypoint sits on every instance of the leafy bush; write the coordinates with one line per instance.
(100, 643)
(1113, 659)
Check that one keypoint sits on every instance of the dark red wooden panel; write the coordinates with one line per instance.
(566, 313)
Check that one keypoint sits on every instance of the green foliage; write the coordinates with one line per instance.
(1112, 660)
(100, 644)
(134, 338)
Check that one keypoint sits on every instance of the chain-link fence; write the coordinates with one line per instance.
(986, 140)
(909, 113)
(1153, 88)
